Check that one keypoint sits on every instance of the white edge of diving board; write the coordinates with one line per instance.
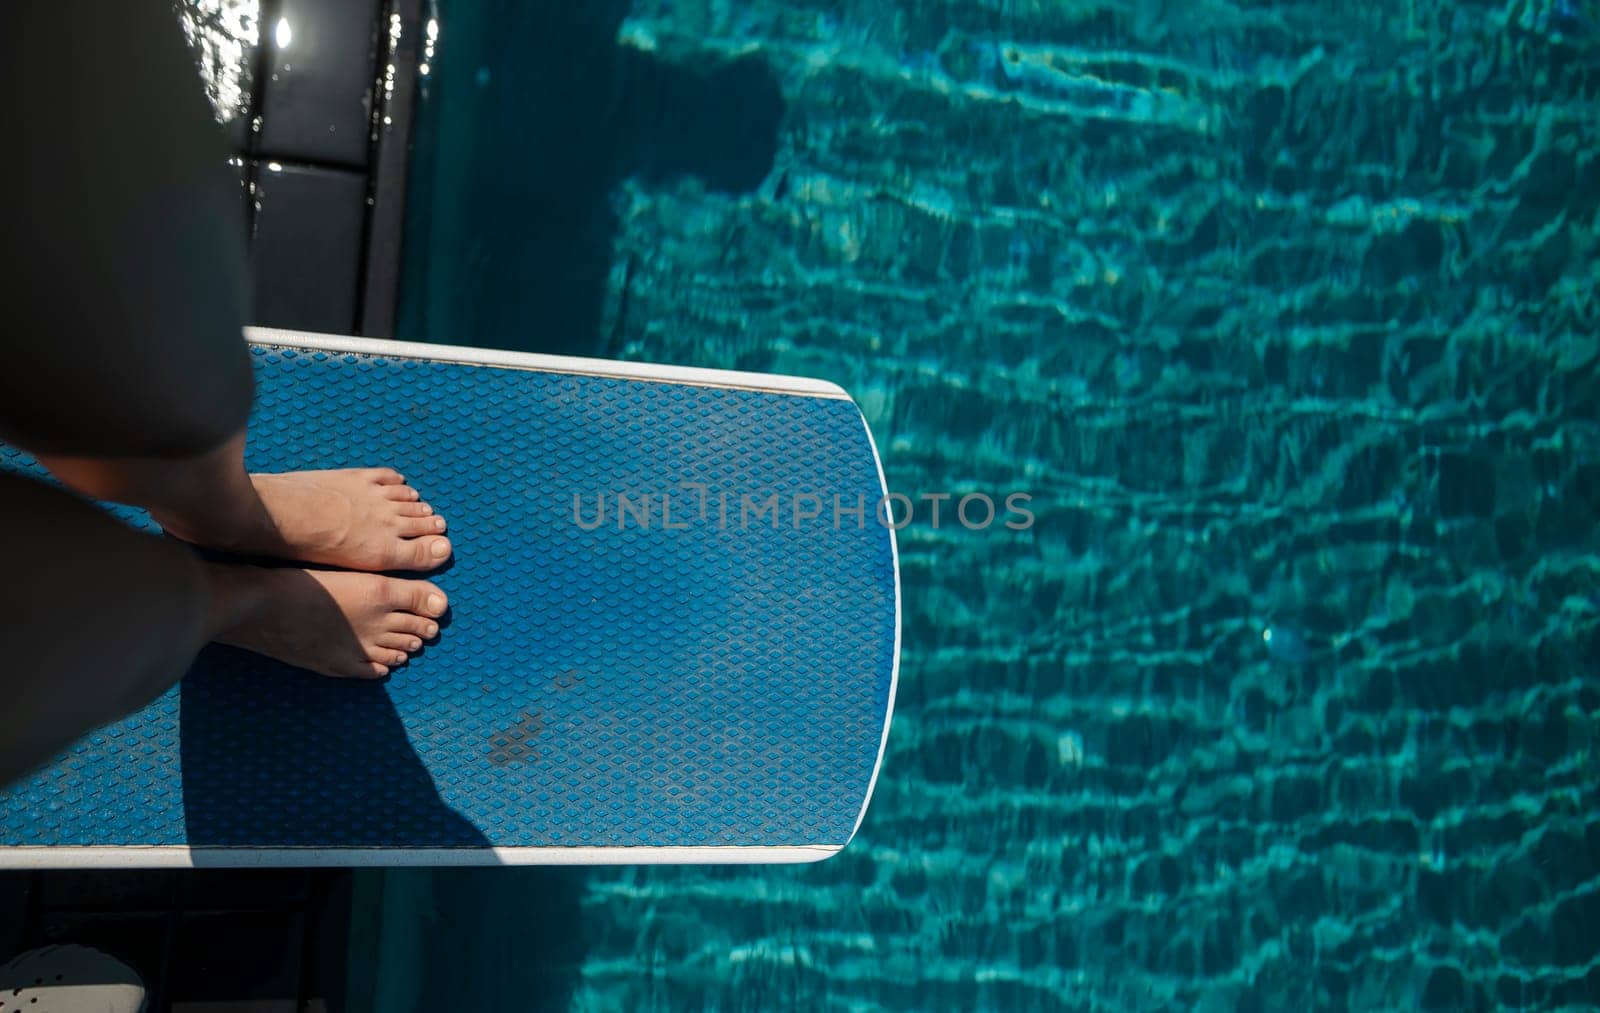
(693, 375)
(186, 857)
(894, 671)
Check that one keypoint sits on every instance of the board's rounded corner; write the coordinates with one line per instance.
(827, 388)
(815, 855)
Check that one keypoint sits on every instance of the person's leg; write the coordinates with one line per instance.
(104, 619)
(124, 289)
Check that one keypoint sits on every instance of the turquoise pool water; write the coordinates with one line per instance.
(1285, 315)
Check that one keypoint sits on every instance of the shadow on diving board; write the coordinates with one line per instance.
(319, 764)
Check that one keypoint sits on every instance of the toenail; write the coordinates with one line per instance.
(441, 549)
(416, 645)
(433, 629)
(399, 659)
(435, 603)
(438, 524)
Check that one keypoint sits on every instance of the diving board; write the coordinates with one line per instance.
(673, 635)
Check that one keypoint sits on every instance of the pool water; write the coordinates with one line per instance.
(1288, 319)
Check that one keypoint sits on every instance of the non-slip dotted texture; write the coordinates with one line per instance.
(629, 685)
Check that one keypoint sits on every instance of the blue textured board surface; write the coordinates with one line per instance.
(722, 682)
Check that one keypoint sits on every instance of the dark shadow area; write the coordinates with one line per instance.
(721, 126)
(504, 939)
(532, 117)
(274, 756)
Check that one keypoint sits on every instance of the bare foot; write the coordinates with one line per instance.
(360, 518)
(345, 625)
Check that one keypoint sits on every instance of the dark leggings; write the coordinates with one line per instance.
(123, 257)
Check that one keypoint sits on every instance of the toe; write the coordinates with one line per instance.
(424, 553)
(400, 642)
(415, 527)
(419, 597)
(390, 656)
(412, 509)
(363, 670)
(385, 476)
(401, 493)
(411, 625)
